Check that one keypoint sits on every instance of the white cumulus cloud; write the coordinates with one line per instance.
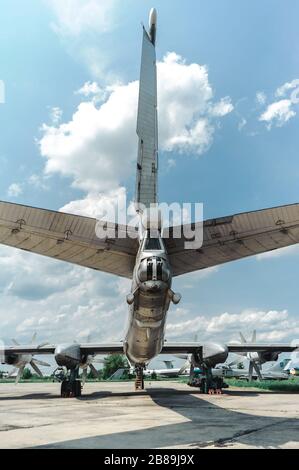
(101, 206)
(81, 25)
(281, 111)
(261, 97)
(89, 88)
(15, 190)
(74, 17)
(56, 115)
(58, 300)
(283, 89)
(278, 113)
(223, 107)
(97, 147)
(271, 325)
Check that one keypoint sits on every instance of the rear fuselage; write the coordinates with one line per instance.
(150, 299)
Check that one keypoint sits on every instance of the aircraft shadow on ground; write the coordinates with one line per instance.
(31, 396)
(206, 424)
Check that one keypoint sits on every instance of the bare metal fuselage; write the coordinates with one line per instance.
(151, 288)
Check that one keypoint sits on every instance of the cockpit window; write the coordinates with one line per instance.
(152, 244)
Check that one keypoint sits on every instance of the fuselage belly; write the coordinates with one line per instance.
(150, 303)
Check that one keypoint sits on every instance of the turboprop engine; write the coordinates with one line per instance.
(267, 356)
(20, 361)
(68, 355)
(256, 359)
(213, 354)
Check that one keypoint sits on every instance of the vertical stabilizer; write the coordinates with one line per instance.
(147, 122)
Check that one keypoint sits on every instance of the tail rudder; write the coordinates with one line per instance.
(147, 122)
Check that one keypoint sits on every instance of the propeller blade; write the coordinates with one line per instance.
(33, 338)
(20, 374)
(257, 370)
(84, 377)
(250, 371)
(15, 342)
(35, 368)
(94, 371)
(243, 340)
(253, 340)
(41, 363)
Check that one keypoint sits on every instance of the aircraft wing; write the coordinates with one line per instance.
(196, 348)
(261, 347)
(23, 350)
(70, 238)
(234, 237)
(86, 349)
(169, 348)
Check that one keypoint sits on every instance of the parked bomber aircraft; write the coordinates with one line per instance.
(151, 260)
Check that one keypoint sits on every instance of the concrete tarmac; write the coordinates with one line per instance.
(165, 415)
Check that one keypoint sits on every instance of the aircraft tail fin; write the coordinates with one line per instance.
(279, 365)
(168, 364)
(147, 122)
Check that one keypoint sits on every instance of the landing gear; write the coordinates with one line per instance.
(71, 385)
(70, 389)
(211, 385)
(203, 379)
(139, 382)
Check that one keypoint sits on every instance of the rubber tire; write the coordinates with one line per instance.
(65, 392)
(78, 388)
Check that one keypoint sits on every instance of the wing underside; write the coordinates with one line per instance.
(70, 238)
(105, 348)
(192, 348)
(169, 348)
(235, 237)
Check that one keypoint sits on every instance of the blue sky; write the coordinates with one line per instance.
(247, 158)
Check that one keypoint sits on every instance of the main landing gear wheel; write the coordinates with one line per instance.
(71, 387)
(211, 385)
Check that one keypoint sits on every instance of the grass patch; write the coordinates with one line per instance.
(291, 385)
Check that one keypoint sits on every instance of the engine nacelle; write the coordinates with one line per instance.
(11, 359)
(68, 355)
(268, 356)
(213, 354)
